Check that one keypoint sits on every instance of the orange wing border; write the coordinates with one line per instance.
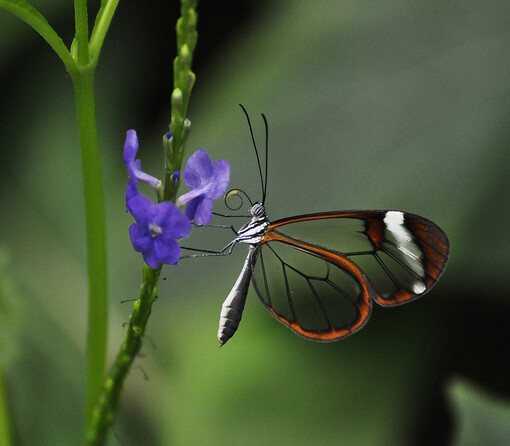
(364, 304)
(429, 237)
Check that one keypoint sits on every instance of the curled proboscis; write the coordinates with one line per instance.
(236, 194)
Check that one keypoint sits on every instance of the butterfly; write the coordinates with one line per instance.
(319, 274)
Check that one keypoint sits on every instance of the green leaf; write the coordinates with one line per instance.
(31, 16)
(481, 418)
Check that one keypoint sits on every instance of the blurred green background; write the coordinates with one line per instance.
(374, 104)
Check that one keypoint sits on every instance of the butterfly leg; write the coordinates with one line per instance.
(231, 216)
(218, 226)
(226, 251)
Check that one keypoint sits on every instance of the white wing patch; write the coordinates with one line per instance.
(402, 237)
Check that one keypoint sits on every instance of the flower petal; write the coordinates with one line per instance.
(191, 207)
(133, 165)
(150, 257)
(198, 170)
(173, 222)
(167, 250)
(130, 147)
(141, 238)
(141, 208)
(163, 213)
(203, 213)
(177, 225)
(192, 194)
(131, 192)
(146, 178)
(220, 179)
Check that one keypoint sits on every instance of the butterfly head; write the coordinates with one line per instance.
(258, 211)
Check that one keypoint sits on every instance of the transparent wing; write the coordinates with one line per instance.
(402, 254)
(319, 294)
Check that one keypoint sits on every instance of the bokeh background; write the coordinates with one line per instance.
(374, 104)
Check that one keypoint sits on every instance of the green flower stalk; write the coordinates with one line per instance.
(174, 144)
(184, 80)
(104, 412)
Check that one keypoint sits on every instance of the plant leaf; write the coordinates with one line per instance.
(481, 418)
(26, 12)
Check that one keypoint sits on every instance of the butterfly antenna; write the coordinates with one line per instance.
(267, 152)
(256, 152)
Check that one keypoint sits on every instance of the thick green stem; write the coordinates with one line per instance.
(96, 238)
(81, 69)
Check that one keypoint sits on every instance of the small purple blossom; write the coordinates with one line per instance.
(208, 181)
(156, 228)
(134, 165)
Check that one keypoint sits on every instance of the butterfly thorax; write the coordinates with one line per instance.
(253, 232)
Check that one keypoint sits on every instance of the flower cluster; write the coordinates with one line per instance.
(158, 226)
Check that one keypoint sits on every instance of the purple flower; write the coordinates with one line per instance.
(156, 228)
(134, 165)
(208, 182)
(134, 168)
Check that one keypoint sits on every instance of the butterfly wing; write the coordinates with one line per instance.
(402, 254)
(319, 294)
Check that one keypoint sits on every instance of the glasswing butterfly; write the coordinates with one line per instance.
(320, 273)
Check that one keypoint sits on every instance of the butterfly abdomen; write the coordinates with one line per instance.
(232, 308)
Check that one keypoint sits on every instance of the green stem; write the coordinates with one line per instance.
(104, 412)
(96, 238)
(103, 20)
(81, 36)
(81, 69)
